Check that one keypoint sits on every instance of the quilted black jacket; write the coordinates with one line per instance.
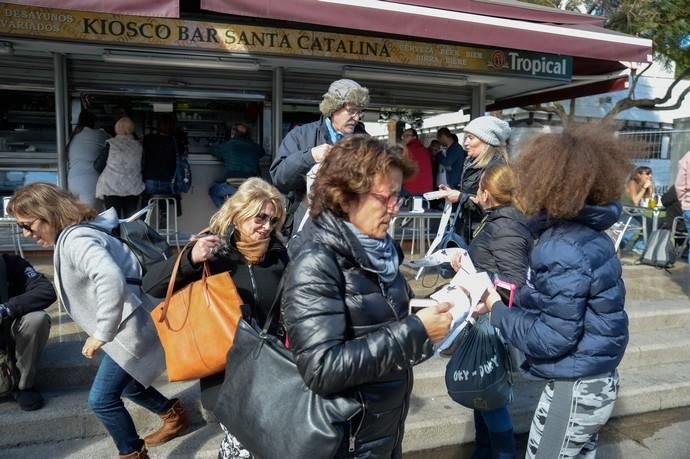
(352, 335)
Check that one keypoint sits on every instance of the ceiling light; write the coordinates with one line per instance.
(404, 76)
(181, 60)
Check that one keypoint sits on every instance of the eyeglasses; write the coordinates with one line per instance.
(262, 218)
(27, 226)
(392, 201)
(354, 111)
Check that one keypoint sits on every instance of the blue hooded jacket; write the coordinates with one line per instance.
(571, 322)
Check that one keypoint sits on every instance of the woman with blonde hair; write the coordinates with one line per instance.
(500, 246)
(243, 240)
(120, 184)
(93, 272)
(485, 142)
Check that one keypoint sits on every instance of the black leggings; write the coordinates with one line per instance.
(124, 205)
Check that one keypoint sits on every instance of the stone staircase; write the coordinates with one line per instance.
(654, 376)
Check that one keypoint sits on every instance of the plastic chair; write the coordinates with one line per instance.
(168, 227)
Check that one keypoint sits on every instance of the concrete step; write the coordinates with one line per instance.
(433, 421)
(437, 421)
(66, 416)
(645, 348)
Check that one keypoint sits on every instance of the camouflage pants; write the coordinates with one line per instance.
(569, 415)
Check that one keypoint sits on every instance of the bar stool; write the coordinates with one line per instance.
(157, 203)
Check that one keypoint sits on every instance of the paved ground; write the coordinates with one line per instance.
(660, 435)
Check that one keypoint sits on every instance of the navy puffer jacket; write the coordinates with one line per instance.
(351, 334)
(571, 322)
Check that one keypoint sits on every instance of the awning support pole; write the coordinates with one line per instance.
(60, 78)
(277, 107)
(478, 101)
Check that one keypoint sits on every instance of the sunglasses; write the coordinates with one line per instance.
(27, 226)
(262, 218)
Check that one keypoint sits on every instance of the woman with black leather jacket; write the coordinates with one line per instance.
(485, 142)
(346, 305)
(242, 240)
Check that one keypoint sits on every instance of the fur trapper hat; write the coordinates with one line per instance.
(342, 92)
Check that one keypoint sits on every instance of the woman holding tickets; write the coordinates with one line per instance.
(345, 305)
(243, 241)
(500, 246)
(92, 273)
(485, 143)
(570, 322)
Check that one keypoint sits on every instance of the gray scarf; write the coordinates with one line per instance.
(381, 254)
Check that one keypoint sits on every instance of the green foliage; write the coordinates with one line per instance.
(665, 22)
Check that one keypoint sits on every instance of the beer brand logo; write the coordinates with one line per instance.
(499, 60)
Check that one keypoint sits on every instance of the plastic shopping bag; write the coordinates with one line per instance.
(478, 374)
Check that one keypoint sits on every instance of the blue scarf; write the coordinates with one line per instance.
(333, 134)
(381, 254)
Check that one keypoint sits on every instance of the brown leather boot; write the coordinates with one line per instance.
(175, 423)
(141, 454)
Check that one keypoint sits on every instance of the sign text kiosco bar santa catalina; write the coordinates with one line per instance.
(54, 24)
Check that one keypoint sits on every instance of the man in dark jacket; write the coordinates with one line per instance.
(309, 144)
(24, 294)
(240, 156)
(454, 157)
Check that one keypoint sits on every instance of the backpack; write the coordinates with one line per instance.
(9, 374)
(660, 250)
(182, 180)
(145, 243)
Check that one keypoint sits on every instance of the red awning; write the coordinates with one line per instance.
(158, 8)
(495, 23)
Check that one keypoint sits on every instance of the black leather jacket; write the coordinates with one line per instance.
(257, 286)
(352, 335)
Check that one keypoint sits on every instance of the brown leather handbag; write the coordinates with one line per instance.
(197, 324)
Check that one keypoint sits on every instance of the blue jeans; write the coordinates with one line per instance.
(219, 191)
(158, 187)
(494, 438)
(105, 399)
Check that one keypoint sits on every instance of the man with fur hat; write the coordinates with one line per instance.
(309, 144)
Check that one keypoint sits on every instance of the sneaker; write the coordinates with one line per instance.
(638, 250)
(29, 399)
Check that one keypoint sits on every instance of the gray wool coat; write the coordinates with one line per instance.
(91, 268)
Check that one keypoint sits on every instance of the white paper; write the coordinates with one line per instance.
(437, 258)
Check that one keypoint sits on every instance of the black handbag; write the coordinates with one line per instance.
(266, 405)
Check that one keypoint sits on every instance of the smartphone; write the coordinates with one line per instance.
(506, 290)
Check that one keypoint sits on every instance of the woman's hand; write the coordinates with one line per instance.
(91, 346)
(449, 194)
(456, 261)
(490, 297)
(436, 321)
(203, 249)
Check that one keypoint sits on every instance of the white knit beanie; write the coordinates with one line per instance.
(489, 129)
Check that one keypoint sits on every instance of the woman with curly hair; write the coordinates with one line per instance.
(346, 304)
(571, 322)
